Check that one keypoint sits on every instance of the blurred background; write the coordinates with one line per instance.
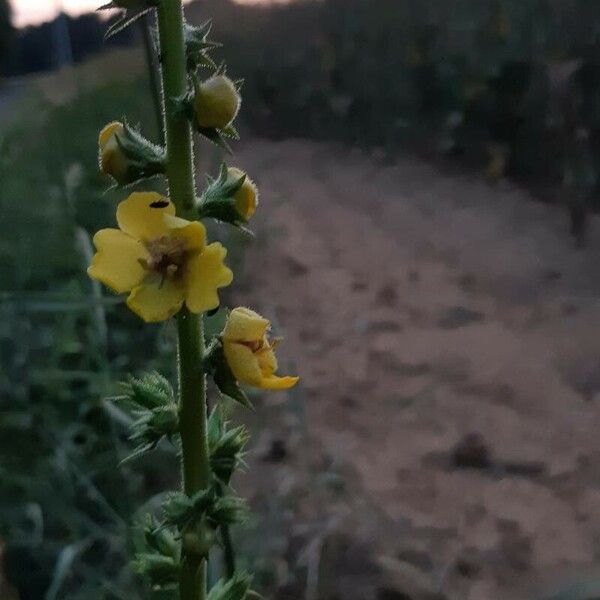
(428, 245)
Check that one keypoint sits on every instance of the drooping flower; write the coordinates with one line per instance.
(249, 351)
(216, 102)
(246, 198)
(161, 259)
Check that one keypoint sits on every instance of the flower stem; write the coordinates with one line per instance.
(192, 381)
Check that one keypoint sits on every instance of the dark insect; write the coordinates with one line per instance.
(160, 204)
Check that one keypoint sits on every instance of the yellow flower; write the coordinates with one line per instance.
(162, 260)
(246, 198)
(111, 158)
(216, 102)
(249, 352)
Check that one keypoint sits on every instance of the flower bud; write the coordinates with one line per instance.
(216, 102)
(199, 540)
(246, 197)
(126, 155)
(112, 159)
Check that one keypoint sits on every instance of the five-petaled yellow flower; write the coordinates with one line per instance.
(161, 259)
(249, 352)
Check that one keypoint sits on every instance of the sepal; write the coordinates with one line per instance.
(161, 571)
(160, 539)
(204, 507)
(127, 156)
(236, 588)
(226, 446)
(151, 404)
(218, 200)
(217, 366)
(132, 11)
(197, 46)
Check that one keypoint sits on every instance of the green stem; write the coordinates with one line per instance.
(228, 549)
(192, 381)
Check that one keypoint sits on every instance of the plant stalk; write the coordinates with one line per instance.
(192, 380)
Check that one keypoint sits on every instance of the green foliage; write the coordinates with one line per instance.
(468, 77)
(151, 404)
(207, 506)
(65, 507)
(6, 29)
(226, 446)
(236, 588)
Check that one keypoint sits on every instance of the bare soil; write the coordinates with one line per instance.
(444, 441)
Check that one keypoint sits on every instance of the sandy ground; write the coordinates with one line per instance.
(444, 442)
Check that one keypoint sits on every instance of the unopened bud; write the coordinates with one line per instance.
(112, 159)
(199, 541)
(216, 102)
(126, 155)
(246, 198)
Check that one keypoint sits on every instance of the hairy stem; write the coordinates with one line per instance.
(192, 381)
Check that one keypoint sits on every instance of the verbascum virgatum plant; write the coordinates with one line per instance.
(161, 258)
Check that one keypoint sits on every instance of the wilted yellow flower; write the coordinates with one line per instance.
(161, 259)
(249, 352)
(216, 102)
(111, 157)
(246, 198)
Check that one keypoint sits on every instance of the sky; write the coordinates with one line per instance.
(29, 12)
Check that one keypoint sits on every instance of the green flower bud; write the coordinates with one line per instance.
(199, 541)
(216, 102)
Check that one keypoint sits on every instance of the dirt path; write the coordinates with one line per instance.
(422, 308)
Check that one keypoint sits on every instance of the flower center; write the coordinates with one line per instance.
(255, 346)
(167, 257)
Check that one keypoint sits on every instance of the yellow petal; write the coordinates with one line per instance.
(205, 273)
(156, 301)
(246, 198)
(193, 232)
(117, 260)
(278, 383)
(245, 325)
(243, 363)
(142, 215)
(108, 131)
(267, 360)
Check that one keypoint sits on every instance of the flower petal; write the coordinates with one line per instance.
(193, 232)
(156, 301)
(117, 260)
(243, 324)
(142, 214)
(205, 273)
(278, 383)
(108, 131)
(243, 363)
(267, 360)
